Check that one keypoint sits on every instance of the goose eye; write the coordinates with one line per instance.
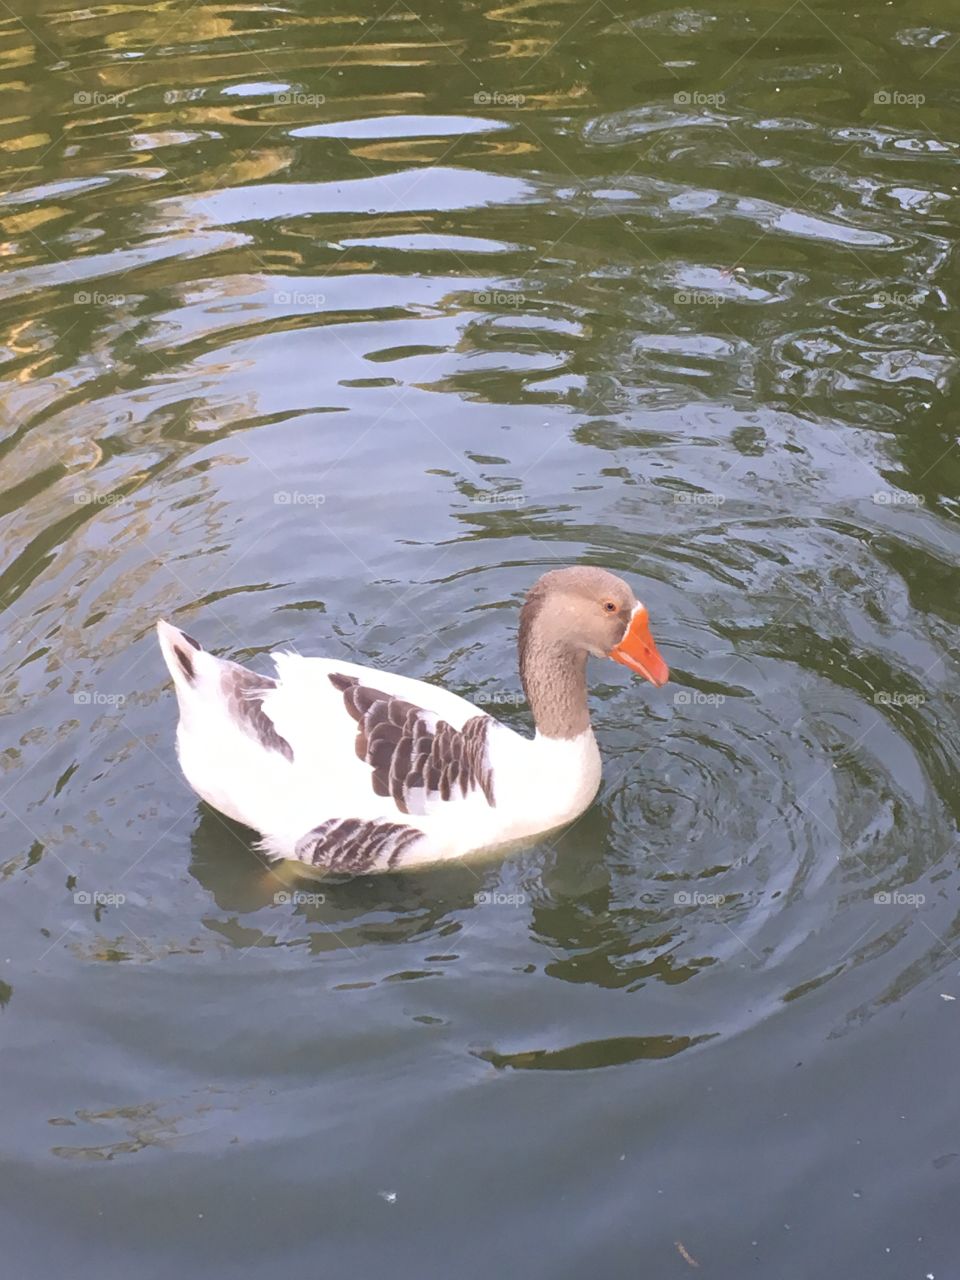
(609, 606)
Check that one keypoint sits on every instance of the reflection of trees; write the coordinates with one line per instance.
(588, 1055)
(594, 256)
(82, 523)
(146, 1124)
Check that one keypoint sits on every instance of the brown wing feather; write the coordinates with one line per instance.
(410, 749)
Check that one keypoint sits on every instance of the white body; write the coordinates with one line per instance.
(538, 783)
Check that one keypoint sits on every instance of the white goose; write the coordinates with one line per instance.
(347, 767)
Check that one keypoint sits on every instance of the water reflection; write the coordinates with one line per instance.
(590, 1055)
(493, 288)
(327, 912)
(488, 287)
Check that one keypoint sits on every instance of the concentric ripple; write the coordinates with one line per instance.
(332, 331)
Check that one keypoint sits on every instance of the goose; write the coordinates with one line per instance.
(349, 768)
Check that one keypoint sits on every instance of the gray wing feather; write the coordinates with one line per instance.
(244, 691)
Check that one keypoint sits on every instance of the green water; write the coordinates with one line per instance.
(333, 329)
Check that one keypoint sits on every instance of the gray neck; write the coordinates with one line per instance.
(554, 677)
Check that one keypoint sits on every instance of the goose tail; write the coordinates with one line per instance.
(194, 670)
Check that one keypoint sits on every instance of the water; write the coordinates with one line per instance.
(334, 329)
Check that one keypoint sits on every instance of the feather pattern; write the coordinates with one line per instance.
(349, 844)
(415, 756)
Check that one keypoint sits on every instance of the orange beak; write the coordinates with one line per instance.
(638, 652)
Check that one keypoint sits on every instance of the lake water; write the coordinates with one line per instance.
(333, 329)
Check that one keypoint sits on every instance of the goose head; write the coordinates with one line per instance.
(568, 615)
(593, 611)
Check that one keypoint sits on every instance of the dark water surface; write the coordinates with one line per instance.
(333, 329)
